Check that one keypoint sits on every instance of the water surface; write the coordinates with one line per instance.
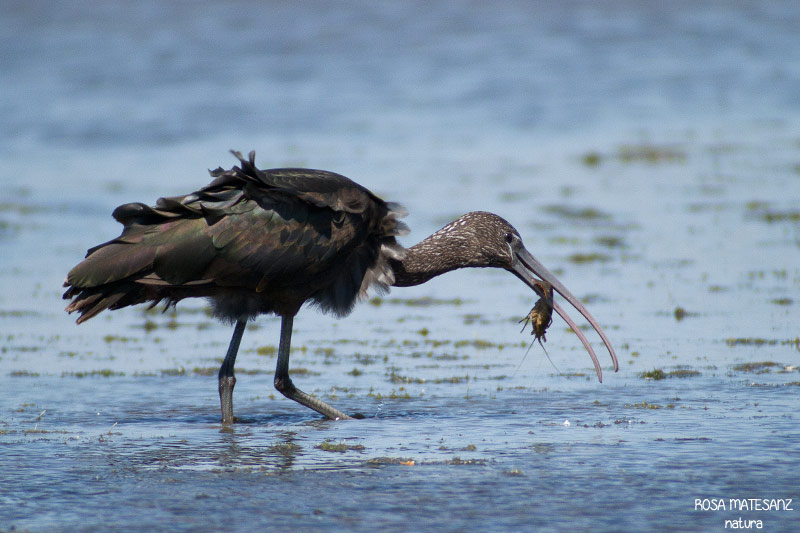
(649, 156)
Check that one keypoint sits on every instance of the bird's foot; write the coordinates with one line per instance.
(285, 386)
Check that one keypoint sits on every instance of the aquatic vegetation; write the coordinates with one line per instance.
(24, 374)
(435, 343)
(576, 213)
(300, 371)
(117, 338)
(472, 318)
(476, 343)
(15, 313)
(402, 394)
(378, 461)
(451, 380)
(366, 359)
(415, 302)
(651, 154)
(394, 377)
(755, 341)
(593, 257)
(457, 461)
(205, 371)
(328, 446)
(764, 212)
(269, 350)
(105, 373)
(780, 216)
(638, 153)
(564, 240)
(656, 374)
(762, 367)
(326, 351)
(284, 448)
(643, 405)
(611, 241)
(591, 159)
(683, 373)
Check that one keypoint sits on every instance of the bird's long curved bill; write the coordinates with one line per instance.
(526, 267)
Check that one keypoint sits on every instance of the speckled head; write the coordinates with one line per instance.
(481, 239)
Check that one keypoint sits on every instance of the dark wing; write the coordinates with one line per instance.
(275, 237)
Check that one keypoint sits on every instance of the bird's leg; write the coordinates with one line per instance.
(284, 383)
(226, 377)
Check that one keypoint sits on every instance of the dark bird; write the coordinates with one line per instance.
(267, 241)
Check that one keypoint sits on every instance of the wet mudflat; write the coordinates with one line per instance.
(664, 195)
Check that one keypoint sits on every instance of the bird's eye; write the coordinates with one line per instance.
(509, 238)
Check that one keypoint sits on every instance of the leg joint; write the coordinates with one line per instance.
(284, 385)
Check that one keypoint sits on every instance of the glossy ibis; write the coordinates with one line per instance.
(267, 241)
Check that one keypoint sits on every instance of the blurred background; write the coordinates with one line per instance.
(648, 153)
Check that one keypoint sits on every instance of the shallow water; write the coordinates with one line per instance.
(649, 156)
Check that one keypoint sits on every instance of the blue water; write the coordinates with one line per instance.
(648, 153)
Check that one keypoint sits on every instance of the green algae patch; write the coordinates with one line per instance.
(24, 374)
(650, 154)
(397, 378)
(591, 159)
(766, 213)
(756, 341)
(771, 217)
(762, 367)
(267, 350)
(302, 371)
(643, 405)
(402, 394)
(451, 380)
(610, 241)
(117, 338)
(658, 374)
(284, 448)
(480, 344)
(341, 447)
(655, 375)
(458, 461)
(379, 461)
(105, 373)
(683, 373)
(576, 213)
(377, 301)
(594, 257)
(647, 153)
